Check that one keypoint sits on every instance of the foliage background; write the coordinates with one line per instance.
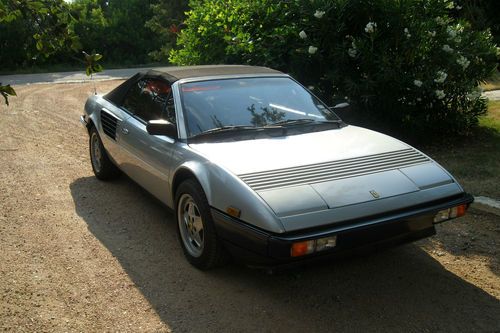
(409, 65)
(414, 65)
(41, 33)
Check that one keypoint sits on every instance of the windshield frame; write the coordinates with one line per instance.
(180, 110)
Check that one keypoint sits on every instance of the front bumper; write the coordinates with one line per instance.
(261, 248)
(84, 123)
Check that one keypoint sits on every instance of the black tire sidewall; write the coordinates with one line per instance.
(212, 251)
(108, 169)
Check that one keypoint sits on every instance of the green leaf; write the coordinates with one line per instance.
(39, 45)
(6, 91)
(6, 98)
(97, 68)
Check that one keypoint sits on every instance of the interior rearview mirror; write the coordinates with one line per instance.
(161, 127)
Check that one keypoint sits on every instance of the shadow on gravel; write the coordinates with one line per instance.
(402, 289)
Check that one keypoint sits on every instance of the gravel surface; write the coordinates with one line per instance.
(80, 255)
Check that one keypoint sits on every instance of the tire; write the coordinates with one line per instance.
(103, 168)
(196, 229)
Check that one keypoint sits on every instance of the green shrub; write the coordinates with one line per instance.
(408, 64)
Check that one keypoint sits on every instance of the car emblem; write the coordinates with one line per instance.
(375, 194)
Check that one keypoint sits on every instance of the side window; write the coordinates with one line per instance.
(169, 112)
(147, 99)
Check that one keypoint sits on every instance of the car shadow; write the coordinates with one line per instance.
(401, 289)
(462, 238)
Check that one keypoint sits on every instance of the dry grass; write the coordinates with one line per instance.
(493, 83)
(475, 161)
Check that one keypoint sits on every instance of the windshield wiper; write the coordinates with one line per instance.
(235, 129)
(230, 128)
(304, 121)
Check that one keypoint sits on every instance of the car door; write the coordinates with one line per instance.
(147, 158)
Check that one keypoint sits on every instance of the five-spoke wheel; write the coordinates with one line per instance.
(195, 226)
(190, 225)
(103, 168)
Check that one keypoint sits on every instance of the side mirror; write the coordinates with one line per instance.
(342, 107)
(161, 127)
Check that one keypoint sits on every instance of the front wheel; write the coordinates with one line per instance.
(195, 227)
(102, 166)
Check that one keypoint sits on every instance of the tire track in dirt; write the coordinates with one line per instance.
(38, 205)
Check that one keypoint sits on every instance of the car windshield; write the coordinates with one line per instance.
(242, 104)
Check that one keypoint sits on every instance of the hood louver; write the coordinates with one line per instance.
(327, 171)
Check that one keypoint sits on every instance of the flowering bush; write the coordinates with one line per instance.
(408, 64)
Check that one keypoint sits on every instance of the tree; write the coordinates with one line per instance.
(128, 40)
(32, 31)
(90, 23)
(407, 65)
(482, 14)
(166, 23)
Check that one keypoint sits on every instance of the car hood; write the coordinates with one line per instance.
(250, 156)
(331, 170)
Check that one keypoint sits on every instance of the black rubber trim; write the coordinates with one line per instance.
(241, 234)
(415, 211)
(257, 245)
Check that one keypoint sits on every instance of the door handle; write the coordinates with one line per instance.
(124, 130)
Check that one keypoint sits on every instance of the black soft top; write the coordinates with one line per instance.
(172, 74)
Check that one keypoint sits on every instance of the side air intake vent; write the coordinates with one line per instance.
(109, 123)
(321, 172)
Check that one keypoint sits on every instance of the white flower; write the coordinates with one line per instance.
(418, 83)
(319, 14)
(312, 49)
(407, 33)
(447, 48)
(370, 27)
(440, 77)
(475, 94)
(440, 20)
(458, 7)
(303, 34)
(432, 33)
(463, 61)
(419, 99)
(310, 88)
(451, 33)
(352, 50)
(440, 94)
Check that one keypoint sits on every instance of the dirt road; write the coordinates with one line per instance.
(77, 254)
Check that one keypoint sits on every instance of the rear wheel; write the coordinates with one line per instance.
(103, 168)
(195, 226)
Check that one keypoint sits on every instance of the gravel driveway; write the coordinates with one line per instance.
(77, 254)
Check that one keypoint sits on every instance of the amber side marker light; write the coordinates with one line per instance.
(235, 212)
(450, 213)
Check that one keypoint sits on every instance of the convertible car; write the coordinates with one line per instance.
(257, 167)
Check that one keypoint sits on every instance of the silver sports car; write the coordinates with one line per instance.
(256, 166)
